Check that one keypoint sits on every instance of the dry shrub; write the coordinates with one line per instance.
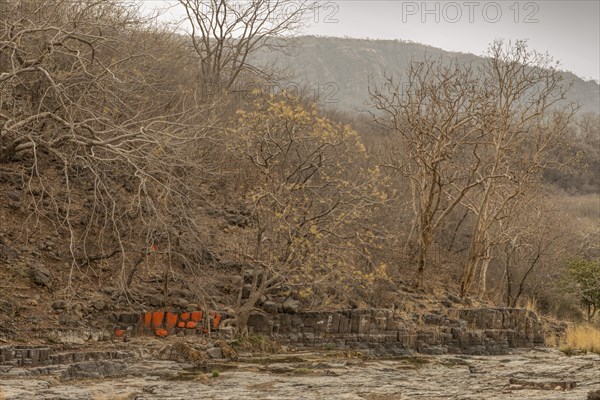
(256, 344)
(531, 304)
(582, 337)
(551, 340)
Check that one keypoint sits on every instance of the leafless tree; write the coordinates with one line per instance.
(434, 117)
(90, 87)
(527, 242)
(471, 140)
(226, 35)
(521, 126)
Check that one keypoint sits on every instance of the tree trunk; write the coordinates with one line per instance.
(509, 288)
(456, 228)
(474, 255)
(470, 268)
(243, 313)
(424, 243)
(259, 286)
(483, 278)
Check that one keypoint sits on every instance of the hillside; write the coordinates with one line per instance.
(163, 221)
(339, 69)
(138, 183)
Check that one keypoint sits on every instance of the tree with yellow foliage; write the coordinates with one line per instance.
(310, 194)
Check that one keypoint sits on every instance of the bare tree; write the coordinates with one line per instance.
(521, 127)
(225, 35)
(89, 87)
(434, 116)
(528, 241)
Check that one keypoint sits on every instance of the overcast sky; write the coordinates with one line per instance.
(568, 30)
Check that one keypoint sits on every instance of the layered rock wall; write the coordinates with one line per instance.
(473, 331)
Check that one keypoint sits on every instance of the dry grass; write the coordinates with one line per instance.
(581, 337)
(531, 304)
(256, 344)
(551, 340)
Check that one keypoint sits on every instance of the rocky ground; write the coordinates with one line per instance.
(535, 374)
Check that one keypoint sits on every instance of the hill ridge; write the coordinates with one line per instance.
(337, 70)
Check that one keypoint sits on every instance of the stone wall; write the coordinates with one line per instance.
(167, 323)
(469, 331)
(473, 331)
(40, 355)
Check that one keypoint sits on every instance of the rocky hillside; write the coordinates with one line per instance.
(129, 185)
(339, 70)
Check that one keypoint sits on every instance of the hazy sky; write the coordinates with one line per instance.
(568, 30)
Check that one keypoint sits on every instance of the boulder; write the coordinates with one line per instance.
(215, 352)
(593, 395)
(455, 299)
(110, 291)
(182, 292)
(258, 323)
(154, 300)
(270, 307)
(9, 307)
(99, 305)
(278, 299)
(59, 305)
(291, 306)
(40, 275)
(8, 253)
(14, 195)
(246, 289)
(446, 303)
(181, 302)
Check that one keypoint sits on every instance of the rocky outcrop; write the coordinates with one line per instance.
(469, 330)
(17, 356)
(473, 331)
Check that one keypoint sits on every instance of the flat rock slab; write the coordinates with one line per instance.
(94, 370)
(322, 375)
(543, 384)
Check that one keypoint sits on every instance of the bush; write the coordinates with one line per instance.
(581, 337)
(256, 344)
(584, 277)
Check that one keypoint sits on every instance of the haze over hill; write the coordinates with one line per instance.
(338, 70)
